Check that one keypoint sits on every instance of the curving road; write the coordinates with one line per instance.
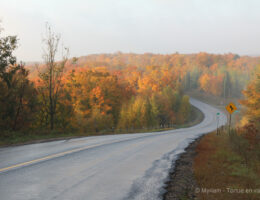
(112, 167)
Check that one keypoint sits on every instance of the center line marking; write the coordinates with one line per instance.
(62, 154)
(47, 158)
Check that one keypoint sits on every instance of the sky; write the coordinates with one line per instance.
(135, 26)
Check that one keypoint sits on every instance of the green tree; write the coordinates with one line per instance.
(139, 113)
(18, 97)
(185, 109)
(7, 45)
(227, 85)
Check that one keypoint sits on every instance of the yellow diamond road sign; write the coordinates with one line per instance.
(231, 108)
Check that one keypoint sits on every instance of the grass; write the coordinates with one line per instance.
(8, 138)
(12, 138)
(224, 162)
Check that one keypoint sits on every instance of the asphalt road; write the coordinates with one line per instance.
(113, 167)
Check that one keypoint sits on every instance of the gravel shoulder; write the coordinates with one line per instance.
(182, 184)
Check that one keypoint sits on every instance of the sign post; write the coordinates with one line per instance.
(218, 122)
(230, 108)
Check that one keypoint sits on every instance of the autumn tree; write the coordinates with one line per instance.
(204, 59)
(169, 102)
(205, 82)
(50, 85)
(252, 101)
(96, 97)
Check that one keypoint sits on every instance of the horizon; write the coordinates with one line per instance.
(126, 53)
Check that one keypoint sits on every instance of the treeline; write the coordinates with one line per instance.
(97, 99)
(220, 75)
(101, 101)
(94, 100)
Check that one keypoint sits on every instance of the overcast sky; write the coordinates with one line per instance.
(138, 26)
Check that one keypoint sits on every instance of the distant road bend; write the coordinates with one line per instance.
(112, 167)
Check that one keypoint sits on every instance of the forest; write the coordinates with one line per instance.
(108, 92)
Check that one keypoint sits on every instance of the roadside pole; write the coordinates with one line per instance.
(229, 124)
(230, 108)
(218, 131)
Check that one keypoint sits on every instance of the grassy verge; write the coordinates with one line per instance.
(227, 167)
(8, 138)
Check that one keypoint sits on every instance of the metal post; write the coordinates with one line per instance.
(217, 124)
(229, 124)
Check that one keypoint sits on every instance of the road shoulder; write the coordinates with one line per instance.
(182, 183)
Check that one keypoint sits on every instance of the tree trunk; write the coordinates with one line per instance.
(51, 99)
(19, 108)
